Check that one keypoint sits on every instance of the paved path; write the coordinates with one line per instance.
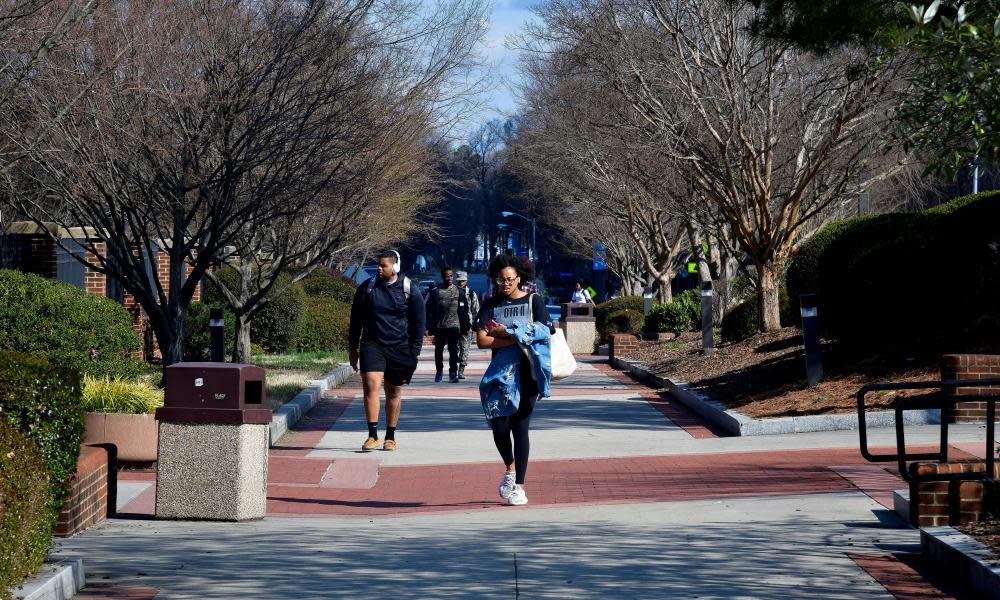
(630, 496)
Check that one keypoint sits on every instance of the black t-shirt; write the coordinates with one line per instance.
(504, 310)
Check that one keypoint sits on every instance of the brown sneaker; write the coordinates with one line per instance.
(389, 445)
(370, 444)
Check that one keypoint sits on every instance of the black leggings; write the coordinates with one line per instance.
(516, 424)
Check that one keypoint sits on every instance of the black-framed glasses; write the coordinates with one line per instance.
(507, 280)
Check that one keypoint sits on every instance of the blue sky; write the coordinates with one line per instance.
(509, 17)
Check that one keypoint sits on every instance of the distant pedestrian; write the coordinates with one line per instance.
(515, 326)
(443, 320)
(466, 319)
(581, 295)
(385, 335)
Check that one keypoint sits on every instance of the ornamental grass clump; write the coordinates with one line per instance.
(117, 395)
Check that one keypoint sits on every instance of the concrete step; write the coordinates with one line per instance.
(901, 503)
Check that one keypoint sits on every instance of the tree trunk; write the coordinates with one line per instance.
(170, 338)
(767, 297)
(241, 341)
(664, 293)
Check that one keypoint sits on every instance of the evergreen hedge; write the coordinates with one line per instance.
(906, 278)
(43, 400)
(74, 328)
(615, 306)
(324, 325)
(275, 326)
(26, 514)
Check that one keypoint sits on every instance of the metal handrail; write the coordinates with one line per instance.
(942, 401)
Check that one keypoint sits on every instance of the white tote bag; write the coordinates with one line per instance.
(563, 363)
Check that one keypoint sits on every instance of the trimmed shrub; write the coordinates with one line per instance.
(91, 334)
(107, 395)
(26, 514)
(603, 311)
(625, 321)
(274, 326)
(42, 400)
(197, 334)
(323, 326)
(683, 314)
(325, 282)
(892, 274)
(743, 321)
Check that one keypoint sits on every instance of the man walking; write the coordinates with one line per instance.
(386, 333)
(462, 281)
(443, 305)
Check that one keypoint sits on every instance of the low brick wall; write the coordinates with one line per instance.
(939, 503)
(90, 490)
(971, 367)
(622, 343)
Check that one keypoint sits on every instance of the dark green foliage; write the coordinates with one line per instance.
(822, 25)
(683, 314)
(197, 335)
(43, 400)
(906, 279)
(625, 321)
(74, 328)
(325, 282)
(324, 325)
(603, 311)
(743, 320)
(274, 326)
(26, 515)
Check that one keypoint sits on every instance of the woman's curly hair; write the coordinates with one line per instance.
(521, 264)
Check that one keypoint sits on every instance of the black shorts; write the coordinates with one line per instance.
(397, 362)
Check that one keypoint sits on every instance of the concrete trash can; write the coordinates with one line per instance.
(213, 443)
(579, 326)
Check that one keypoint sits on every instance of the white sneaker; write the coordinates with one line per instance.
(507, 485)
(517, 497)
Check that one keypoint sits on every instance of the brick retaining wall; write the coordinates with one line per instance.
(89, 491)
(971, 367)
(939, 503)
(622, 343)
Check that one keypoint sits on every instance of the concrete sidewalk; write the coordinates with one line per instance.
(630, 496)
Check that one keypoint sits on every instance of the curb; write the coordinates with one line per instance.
(56, 581)
(737, 424)
(285, 417)
(963, 557)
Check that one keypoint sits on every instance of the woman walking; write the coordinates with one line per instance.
(514, 325)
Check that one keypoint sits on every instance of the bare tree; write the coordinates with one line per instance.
(226, 123)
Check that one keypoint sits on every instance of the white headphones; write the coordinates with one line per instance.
(395, 265)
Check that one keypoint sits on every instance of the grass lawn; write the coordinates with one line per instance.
(288, 373)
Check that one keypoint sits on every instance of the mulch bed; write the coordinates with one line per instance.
(985, 532)
(764, 376)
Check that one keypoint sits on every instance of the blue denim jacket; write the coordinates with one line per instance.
(500, 389)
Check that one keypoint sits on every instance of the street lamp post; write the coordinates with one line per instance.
(533, 255)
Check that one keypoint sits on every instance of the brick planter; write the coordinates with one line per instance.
(967, 367)
(89, 491)
(135, 436)
(939, 503)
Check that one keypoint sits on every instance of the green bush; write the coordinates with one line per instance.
(42, 400)
(625, 321)
(887, 274)
(603, 311)
(325, 282)
(274, 326)
(323, 326)
(89, 333)
(26, 515)
(197, 335)
(683, 314)
(117, 395)
(743, 321)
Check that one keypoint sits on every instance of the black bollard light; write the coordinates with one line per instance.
(810, 334)
(707, 313)
(217, 330)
